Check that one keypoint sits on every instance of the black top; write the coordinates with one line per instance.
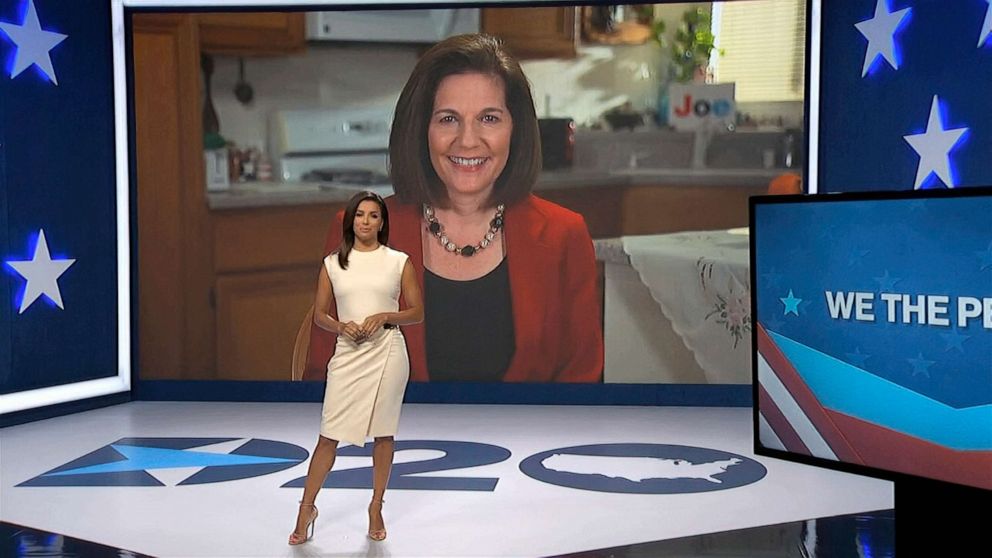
(469, 327)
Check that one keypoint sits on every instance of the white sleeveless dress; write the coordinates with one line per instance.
(366, 381)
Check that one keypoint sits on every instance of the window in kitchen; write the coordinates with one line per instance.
(764, 44)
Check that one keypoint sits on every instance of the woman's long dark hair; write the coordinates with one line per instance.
(413, 176)
(348, 238)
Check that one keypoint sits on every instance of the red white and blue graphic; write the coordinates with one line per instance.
(58, 208)
(904, 95)
(874, 331)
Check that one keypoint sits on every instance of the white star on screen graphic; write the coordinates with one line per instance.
(42, 274)
(986, 25)
(33, 44)
(879, 31)
(934, 146)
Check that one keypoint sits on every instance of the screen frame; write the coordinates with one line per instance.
(755, 201)
(811, 99)
(122, 380)
(600, 393)
(717, 395)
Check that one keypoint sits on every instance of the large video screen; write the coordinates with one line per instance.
(873, 331)
(619, 254)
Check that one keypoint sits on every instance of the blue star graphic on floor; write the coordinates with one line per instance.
(138, 458)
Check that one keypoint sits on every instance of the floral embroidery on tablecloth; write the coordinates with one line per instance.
(731, 309)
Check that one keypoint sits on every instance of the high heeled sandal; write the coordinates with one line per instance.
(376, 534)
(294, 538)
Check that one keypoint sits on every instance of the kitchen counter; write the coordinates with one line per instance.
(578, 178)
(244, 195)
(701, 177)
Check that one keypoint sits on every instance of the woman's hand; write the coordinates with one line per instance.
(353, 331)
(373, 323)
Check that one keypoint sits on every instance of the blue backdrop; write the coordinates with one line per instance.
(864, 119)
(57, 159)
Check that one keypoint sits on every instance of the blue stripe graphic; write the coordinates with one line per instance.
(852, 391)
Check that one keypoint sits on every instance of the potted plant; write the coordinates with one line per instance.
(690, 50)
(692, 45)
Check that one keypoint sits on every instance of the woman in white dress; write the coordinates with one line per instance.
(367, 375)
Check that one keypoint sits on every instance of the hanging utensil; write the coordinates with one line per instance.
(243, 90)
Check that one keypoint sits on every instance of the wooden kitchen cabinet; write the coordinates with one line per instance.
(258, 315)
(266, 262)
(252, 34)
(272, 237)
(217, 291)
(612, 211)
(673, 208)
(175, 320)
(601, 207)
(535, 32)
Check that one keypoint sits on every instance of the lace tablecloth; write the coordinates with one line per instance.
(700, 282)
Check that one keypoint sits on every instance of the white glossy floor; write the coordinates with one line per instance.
(521, 516)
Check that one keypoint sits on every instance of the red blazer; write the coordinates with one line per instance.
(556, 308)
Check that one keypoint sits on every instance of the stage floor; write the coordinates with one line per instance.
(207, 480)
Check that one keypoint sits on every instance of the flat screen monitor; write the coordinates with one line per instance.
(872, 349)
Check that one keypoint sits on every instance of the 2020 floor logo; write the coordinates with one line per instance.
(618, 468)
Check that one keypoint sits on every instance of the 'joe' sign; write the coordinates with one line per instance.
(693, 106)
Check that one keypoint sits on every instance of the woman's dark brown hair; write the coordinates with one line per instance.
(412, 174)
(348, 238)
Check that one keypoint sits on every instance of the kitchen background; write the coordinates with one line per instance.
(584, 84)
(228, 257)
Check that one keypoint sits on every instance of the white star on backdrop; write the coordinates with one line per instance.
(33, 44)
(987, 26)
(934, 147)
(42, 274)
(879, 31)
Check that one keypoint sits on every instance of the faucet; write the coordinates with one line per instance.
(636, 157)
(700, 144)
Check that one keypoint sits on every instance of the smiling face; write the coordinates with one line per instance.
(469, 133)
(368, 221)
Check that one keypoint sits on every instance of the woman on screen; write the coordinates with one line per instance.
(509, 279)
(367, 376)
